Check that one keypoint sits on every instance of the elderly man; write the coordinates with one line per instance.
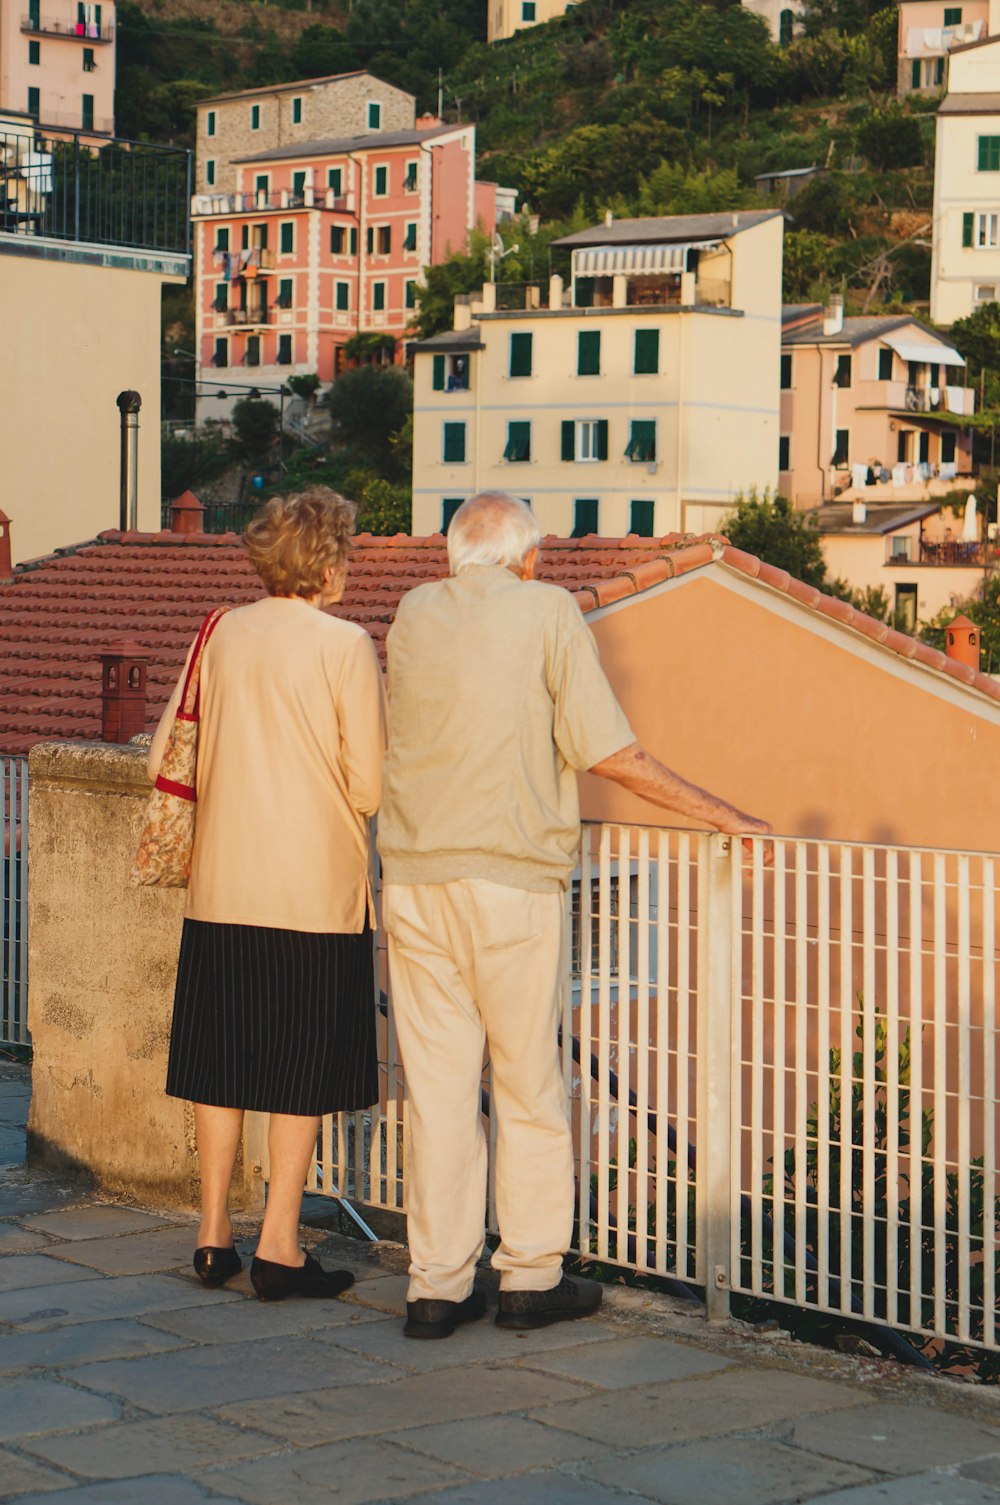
(497, 699)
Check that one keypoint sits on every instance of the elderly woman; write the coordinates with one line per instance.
(273, 1010)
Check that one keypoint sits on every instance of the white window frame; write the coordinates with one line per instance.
(905, 552)
(986, 231)
(585, 432)
(985, 292)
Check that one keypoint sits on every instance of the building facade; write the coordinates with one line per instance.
(965, 261)
(321, 242)
(505, 17)
(868, 406)
(782, 17)
(57, 63)
(81, 314)
(929, 30)
(236, 126)
(640, 398)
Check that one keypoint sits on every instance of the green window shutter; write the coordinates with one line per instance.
(296, 111)
(915, 73)
(334, 178)
(221, 297)
(568, 439)
(786, 373)
(588, 353)
(924, 447)
(439, 373)
(343, 296)
(602, 438)
(370, 240)
(641, 447)
(288, 237)
(953, 15)
(584, 517)
(411, 295)
(989, 154)
(378, 296)
(518, 449)
(284, 350)
(885, 365)
(354, 241)
(947, 448)
(647, 352)
(454, 443)
(520, 355)
(285, 293)
(298, 184)
(841, 448)
(449, 507)
(641, 516)
(967, 229)
(381, 181)
(783, 452)
(222, 238)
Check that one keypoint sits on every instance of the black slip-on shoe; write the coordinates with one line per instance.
(571, 1298)
(427, 1318)
(273, 1282)
(214, 1266)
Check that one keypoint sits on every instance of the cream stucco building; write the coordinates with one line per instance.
(57, 63)
(782, 17)
(639, 397)
(505, 17)
(965, 265)
(81, 315)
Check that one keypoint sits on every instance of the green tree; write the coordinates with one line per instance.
(769, 527)
(255, 429)
(983, 608)
(978, 339)
(891, 138)
(461, 273)
(368, 406)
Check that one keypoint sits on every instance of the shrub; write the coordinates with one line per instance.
(891, 138)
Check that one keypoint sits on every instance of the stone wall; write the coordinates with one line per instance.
(102, 960)
(329, 110)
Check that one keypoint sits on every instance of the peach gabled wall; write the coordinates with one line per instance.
(452, 202)
(795, 719)
(59, 75)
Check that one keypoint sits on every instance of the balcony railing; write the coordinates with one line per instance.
(250, 317)
(81, 31)
(206, 205)
(957, 552)
(119, 193)
(939, 399)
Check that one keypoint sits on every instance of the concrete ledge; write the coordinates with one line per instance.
(103, 959)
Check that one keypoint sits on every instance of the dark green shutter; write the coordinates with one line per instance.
(449, 507)
(885, 365)
(989, 154)
(641, 519)
(439, 373)
(641, 447)
(915, 74)
(953, 15)
(584, 517)
(454, 443)
(967, 224)
(568, 439)
(786, 373)
(287, 237)
(647, 352)
(520, 355)
(602, 438)
(588, 353)
(343, 295)
(518, 449)
(783, 447)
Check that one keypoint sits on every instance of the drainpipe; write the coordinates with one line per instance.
(129, 404)
(359, 216)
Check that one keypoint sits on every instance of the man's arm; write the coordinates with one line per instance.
(642, 774)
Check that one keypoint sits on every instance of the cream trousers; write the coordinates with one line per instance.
(471, 963)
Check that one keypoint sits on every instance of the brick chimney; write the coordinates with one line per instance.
(6, 567)
(123, 692)
(961, 642)
(186, 514)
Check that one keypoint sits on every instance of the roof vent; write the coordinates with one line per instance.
(186, 514)
(859, 513)
(961, 642)
(833, 315)
(609, 217)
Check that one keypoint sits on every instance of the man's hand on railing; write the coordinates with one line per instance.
(642, 774)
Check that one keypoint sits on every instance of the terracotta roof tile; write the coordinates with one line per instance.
(60, 612)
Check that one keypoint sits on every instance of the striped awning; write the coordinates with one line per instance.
(605, 261)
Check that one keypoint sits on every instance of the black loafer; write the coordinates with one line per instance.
(571, 1298)
(214, 1267)
(427, 1318)
(273, 1282)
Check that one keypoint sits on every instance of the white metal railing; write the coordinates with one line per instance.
(14, 903)
(717, 1016)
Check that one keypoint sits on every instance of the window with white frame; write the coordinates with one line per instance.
(987, 232)
(986, 292)
(587, 435)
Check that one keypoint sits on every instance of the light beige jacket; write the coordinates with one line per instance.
(290, 747)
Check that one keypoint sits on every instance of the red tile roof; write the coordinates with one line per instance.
(59, 613)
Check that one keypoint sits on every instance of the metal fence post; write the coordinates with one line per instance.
(716, 1067)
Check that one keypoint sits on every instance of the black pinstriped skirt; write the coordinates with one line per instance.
(277, 1021)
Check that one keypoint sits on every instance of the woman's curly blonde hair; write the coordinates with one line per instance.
(294, 540)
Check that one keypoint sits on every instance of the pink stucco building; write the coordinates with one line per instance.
(57, 63)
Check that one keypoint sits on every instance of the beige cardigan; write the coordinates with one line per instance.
(290, 748)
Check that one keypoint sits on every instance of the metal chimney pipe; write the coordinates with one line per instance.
(129, 404)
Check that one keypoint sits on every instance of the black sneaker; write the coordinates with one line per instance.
(571, 1298)
(427, 1318)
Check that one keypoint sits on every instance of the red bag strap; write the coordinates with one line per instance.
(191, 694)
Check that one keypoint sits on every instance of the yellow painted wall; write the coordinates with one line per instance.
(860, 559)
(959, 188)
(77, 335)
(507, 16)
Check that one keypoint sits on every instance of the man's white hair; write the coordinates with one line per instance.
(492, 527)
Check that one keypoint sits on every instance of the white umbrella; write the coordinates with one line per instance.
(970, 528)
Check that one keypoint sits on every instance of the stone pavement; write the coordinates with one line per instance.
(121, 1379)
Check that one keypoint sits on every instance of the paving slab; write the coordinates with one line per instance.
(21, 1271)
(215, 1375)
(30, 1407)
(726, 1471)
(87, 1300)
(158, 1489)
(241, 1322)
(20, 1476)
(983, 1470)
(475, 1342)
(922, 1489)
(132, 1254)
(96, 1220)
(493, 1447)
(83, 1343)
(628, 1361)
(11, 1144)
(168, 1443)
(732, 1401)
(386, 1293)
(894, 1439)
(536, 1489)
(25, 1191)
(351, 1473)
(15, 1239)
(448, 1395)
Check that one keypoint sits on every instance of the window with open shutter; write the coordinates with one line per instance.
(454, 443)
(584, 517)
(343, 296)
(520, 354)
(588, 353)
(439, 373)
(221, 354)
(287, 237)
(336, 240)
(221, 297)
(841, 447)
(885, 365)
(518, 449)
(647, 352)
(335, 181)
(641, 518)
(641, 447)
(284, 350)
(285, 292)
